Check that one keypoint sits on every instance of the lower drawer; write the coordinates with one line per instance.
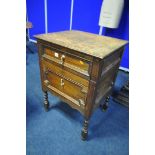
(65, 88)
(60, 70)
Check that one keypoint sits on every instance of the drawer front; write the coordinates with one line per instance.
(68, 75)
(73, 62)
(66, 88)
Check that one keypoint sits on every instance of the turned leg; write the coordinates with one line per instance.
(46, 103)
(105, 105)
(84, 132)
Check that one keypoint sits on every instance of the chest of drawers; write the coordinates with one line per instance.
(80, 68)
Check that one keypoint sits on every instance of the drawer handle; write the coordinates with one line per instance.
(62, 59)
(62, 82)
(56, 54)
(46, 82)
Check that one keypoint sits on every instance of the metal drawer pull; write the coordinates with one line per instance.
(62, 82)
(62, 59)
(56, 54)
(46, 82)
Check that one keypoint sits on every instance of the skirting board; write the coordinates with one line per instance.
(121, 68)
(32, 40)
(124, 69)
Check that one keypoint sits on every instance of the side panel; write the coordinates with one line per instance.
(108, 75)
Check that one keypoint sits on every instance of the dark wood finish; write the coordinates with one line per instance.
(60, 84)
(46, 103)
(51, 66)
(68, 60)
(84, 132)
(122, 96)
(80, 68)
(105, 105)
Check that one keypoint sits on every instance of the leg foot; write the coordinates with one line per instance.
(84, 132)
(46, 103)
(105, 105)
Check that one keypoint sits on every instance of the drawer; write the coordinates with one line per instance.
(68, 75)
(65, 88)
(73, 62)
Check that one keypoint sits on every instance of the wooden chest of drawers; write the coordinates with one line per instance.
(80, 68)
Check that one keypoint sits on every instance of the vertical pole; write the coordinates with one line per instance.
(46, 23)
(71, 14)
(101, 29)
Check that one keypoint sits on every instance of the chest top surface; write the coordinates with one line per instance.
(88, 43)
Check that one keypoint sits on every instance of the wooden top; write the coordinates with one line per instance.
(91, 44)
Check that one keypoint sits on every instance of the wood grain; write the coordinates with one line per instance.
(78, 67)
(92, 44)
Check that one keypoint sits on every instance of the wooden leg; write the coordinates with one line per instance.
(105, 105)
(46, 103)
(84, 132)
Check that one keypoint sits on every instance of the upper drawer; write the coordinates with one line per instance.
(71, 61)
